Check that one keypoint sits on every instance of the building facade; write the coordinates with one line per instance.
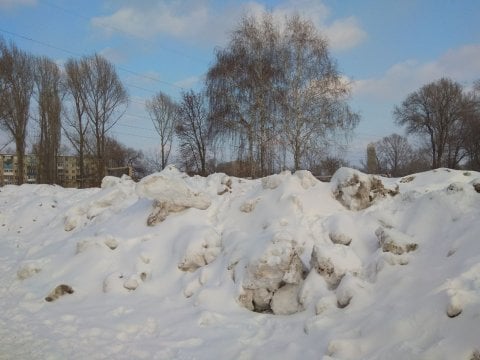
(68, 171)
(9, 169)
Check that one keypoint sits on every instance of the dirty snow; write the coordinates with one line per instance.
(284, 267)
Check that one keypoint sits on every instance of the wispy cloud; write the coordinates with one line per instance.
(460, 64)
(345, 33)
(145, 20)
(188, 82)
(10, 4)
(115, 55)
(199, 21)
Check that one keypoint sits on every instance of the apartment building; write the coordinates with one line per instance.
(68, 170)
(9, 169)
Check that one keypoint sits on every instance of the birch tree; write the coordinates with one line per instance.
(242, 92)
(163, 111)
(314, 94)
(275, 85)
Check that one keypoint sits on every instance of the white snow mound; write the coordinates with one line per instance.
(179, 267)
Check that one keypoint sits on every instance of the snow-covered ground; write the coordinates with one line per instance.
(283, 267)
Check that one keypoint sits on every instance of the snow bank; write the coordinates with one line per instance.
(171, 194)
(191, 267)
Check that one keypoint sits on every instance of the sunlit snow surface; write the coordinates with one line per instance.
(399, 279)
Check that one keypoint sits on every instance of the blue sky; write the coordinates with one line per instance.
(387, 48)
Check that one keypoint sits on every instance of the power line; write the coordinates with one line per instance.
(11, 33)
(76, 54)
(139, 87)
(110, 27)
(39, 42)
(138, 116)
(149, 77)
(137, 102)
(362, 134)
(140, 136)
(135, 127)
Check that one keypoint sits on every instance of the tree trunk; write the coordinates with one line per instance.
(20, 153)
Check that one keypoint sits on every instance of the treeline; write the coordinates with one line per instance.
(443, 119)
(83, 102)
(273, 100)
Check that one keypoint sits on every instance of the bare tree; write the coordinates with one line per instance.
(16, 87)
(5, 147)
(314, 95)
(163, 111)
(471, 136)
(104, 99)
(276, 87)
(419, 160)
(437, 110)
(152, 160)
(47, 81)
(472, 143)
(324, 165)
(193, 131)
(394, 154)
(476, 86)
(76, 123)
(330, 164)
(121, 158)
(241, 90)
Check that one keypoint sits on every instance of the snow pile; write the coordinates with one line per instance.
(356, 190)
(268, 280)
(178, 267)
(171, 194)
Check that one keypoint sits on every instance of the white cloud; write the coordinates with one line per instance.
(198, 21)
(459, 64)
(179, 19)
(188, 82)
(342, 33)
(312, 9)
(9, 4)
(345, 33)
